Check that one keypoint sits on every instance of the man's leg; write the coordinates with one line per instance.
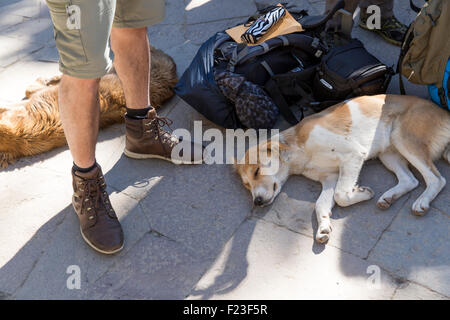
(392, 30)
(145, 137)
(386, 7)
(79, 112)
(132, 62)
(82, 30)
(350, 5)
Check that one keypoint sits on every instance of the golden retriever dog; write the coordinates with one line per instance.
(331, 147)
(33, 126)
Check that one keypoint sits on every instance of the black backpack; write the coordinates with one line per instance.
(240, 86)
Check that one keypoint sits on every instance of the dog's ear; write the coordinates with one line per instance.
(277, 147)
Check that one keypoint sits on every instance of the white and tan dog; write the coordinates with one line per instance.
(331, 147)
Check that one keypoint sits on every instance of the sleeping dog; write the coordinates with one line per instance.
(331, 147)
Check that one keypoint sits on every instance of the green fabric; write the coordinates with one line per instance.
(82, 29)
(425, 59)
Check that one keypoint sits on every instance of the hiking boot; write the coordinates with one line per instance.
(392, 30)
(146, 138)
(99, 225)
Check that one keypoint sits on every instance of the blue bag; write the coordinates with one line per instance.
(433, 90)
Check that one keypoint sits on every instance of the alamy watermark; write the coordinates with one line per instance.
(374, 280)
(374, 19)
(230, 147)
(74, 280)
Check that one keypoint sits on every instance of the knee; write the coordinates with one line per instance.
(127, 35)
(341, 198)
(70, 82)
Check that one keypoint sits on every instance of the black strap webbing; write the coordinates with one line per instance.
(442, 97)
(413, 6)
(279, 100)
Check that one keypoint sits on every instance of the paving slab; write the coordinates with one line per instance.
(14, 49)
(23, 8)
(202, 207)
(167, 37)
(30, 217)
(416, 248)
(48, 278)
(442, 201)
(8, 20)
(22, 74)
(155, 268)
(183, 55)
(265, 261)
(38, 30)
(48, 54)
(311, 7)
(412, 291)
(174, 13)
(28, 210)
(185, 223)
(200, 32)
(198, 11)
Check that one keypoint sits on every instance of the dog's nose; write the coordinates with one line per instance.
(258, 201)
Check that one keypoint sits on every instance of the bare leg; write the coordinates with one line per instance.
(79, 112)
(324, 204)
(132, 62)
(406, 180)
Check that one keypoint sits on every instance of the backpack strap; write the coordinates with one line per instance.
(413, 6)
(277, 97)
(442, 97)
(409, 36)
(290, 83)
(242, 53)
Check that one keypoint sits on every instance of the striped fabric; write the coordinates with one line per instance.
(262, 25)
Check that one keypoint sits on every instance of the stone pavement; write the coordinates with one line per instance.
(191, 232)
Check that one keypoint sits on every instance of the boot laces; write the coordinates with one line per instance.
(94, 194)
(157, 123)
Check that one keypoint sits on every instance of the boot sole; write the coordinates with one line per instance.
(141, 156)
(396, 43)
(97, 249)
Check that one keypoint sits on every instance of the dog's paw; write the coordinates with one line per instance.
(385, 202)
(323, 232)
(366, 192)
(420, 206)
(5, 160)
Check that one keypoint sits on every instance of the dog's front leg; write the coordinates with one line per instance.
(323, 208)
(347, 191)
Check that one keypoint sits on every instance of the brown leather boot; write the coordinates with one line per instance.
(99, 225)
(146, 138)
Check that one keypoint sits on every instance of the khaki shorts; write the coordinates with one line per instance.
(82, 29)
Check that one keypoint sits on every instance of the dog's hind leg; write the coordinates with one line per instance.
(324, 204)
(435, 182)
(406, 180)
(347, 192)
